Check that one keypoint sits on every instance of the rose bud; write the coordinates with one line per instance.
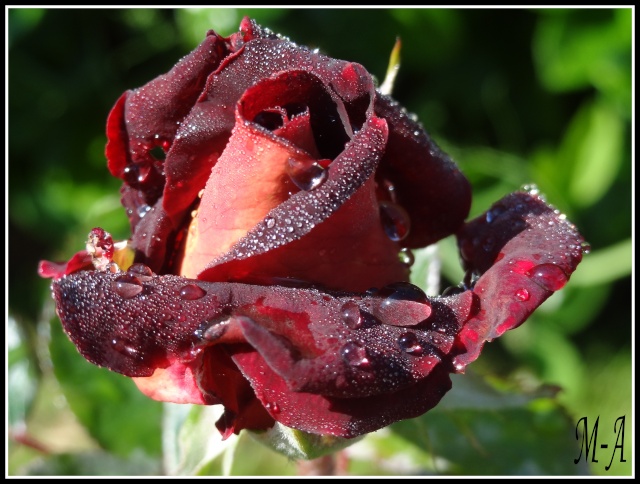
(269, 188)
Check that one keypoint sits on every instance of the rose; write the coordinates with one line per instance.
(268, 189)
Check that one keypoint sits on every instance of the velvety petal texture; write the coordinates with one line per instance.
(270, 190)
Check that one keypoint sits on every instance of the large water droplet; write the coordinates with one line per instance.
(306, 174)
(410, 344)
(127, 286)
(191, 292)
(395, 221)
(403, 304)
(586, 247)
(522, 295)
(141, 271)
(452, 290)
(402, 291)
(351, 316)
(548, 276)
(355, 355)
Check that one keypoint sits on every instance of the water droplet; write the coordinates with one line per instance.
(404, 291)
(395, 221)
(141, 271)
(127, 286)
(306, 174)
(272, 407)
(586, 247)
(355, 355)
(530, 188)
(410, 344)
(372, 291)
(390, 189)
(351, 316)
(522, 295)
(113, 268)
(195, 352)
(436, 339)
(548, 276)
(494, 213)
(122, 347)
(452, 290)
(270, 222)
(191, 292)
(406, 257)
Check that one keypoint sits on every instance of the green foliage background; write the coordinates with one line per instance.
(514, 95)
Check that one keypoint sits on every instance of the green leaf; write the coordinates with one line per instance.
(190, 439)
(93, 464)
(109, 405)
(297, 444)
(21, 376)
(573, 52)
(479, 430)
(595, 142)
(604, 266)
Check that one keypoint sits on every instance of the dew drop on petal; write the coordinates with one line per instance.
(494, 213)
(127, 286)
(458, 366)
(122, 347)
(141, 271)
(530, 188)
(395, 221)
(436, 340)
(270, 222)
(406, 257)
(548, 276)
(191, 292)
(372, 291)
(351, 316)
(402, 291)
(272, 407)
(586, 247)
(355, 355)
(452, 290)
(306, 174)
(522, 295)
(410, 344)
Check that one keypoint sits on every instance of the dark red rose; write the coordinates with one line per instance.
(269, 188)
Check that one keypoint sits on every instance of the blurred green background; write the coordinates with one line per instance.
(515, 96)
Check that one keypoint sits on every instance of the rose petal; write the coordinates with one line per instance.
(250, 178)
(426, 183)
(523, 250)
(342, 417)
(165, 326)
(204, 132)
(176, 384)
(81, 260)
(294, 240)
(148, 118)
(357, 353)
(155, 239)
